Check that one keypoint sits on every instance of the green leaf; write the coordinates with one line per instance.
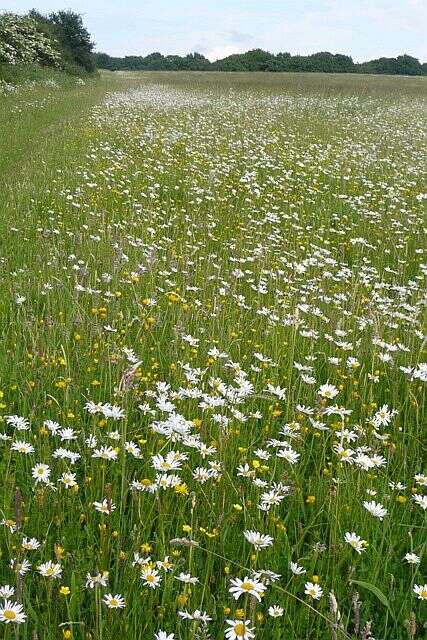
(377, 592)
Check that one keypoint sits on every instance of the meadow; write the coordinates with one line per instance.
(213, 358)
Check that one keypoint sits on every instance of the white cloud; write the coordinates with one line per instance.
(219, 52)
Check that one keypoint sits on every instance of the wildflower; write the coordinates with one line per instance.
(187, 578)
(420, 500)
(151, 578)
(22, 447)
(68, 479)
(172, 461)
(18, 422)
(376, 509)
(201, 616)
(246, 586)
(163, 635)
(20, 567)
(106, 506)
(420, 591)
(112, 411)
(164, 564)
(289, 455)
(328, 391)
(99, 579)
(421, 479)
(296, 569)
(356, 542)
(114, 602)
(6, 591)
(259, 540)
(383, 416)
(50, 569)
(41, 473)
(239, 630)
(277, 391)
(412, 558)
(30, 544)
(12, 612)
(313, 590)
(275, 611)
(106, 453)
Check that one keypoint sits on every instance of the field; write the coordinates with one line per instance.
(213, 358)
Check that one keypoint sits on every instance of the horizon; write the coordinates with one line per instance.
(370, 30)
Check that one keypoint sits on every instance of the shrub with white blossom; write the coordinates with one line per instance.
(22, 42)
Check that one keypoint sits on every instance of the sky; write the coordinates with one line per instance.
(364, 29)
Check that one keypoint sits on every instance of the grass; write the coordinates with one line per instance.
(206, 252)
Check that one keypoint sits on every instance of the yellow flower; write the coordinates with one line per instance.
(310, 499)
(59, 551)
(181, 489)
(64, 591)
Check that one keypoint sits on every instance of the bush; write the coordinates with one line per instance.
(21, 42)
(57, 40)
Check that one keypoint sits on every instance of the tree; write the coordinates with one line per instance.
(74, 39)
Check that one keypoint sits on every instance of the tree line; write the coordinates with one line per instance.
(259, 60)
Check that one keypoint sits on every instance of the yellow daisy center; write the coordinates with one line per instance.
(240, 629)
(9, 614)
(247, 586)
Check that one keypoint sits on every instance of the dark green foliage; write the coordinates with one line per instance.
(74, 39)
(254, 60)
(406, 65)
(259, 60)
(153, 62)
